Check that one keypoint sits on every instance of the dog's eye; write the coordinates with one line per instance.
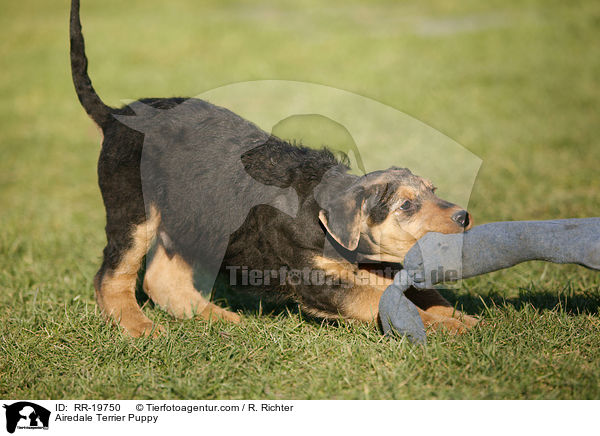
(406, 205)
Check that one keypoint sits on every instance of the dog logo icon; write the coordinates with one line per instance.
(26, 415)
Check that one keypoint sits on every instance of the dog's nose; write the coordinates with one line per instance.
(462, 218)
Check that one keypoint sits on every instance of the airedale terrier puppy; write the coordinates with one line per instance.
(214, 193)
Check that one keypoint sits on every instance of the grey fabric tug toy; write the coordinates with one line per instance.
(490, 247)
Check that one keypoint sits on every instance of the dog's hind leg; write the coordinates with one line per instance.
(116, 280)
(169, 282)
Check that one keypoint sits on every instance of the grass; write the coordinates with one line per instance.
(514, 82)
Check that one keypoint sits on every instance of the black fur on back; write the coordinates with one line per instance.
(268, 238)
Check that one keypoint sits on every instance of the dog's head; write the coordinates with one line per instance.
(382, 214)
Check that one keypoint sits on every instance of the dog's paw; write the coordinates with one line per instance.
(143, 328)
(469, 321)
(451, 325)
(456, 325)
(214, 312)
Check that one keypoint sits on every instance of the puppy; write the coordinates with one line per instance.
(215, 194)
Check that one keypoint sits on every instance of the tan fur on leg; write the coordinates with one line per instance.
(363, 301)
(169, 283)
(437, 322)
(366, 288)
(364, 291)
(115, 291)
(432, 302)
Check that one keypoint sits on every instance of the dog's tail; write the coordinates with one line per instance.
(91, 102)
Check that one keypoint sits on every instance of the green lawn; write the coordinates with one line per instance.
(515, 82)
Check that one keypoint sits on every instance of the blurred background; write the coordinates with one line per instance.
(515, 82)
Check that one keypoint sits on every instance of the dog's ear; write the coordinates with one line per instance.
(342, 215)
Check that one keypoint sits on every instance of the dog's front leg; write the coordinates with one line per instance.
(435, 307)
